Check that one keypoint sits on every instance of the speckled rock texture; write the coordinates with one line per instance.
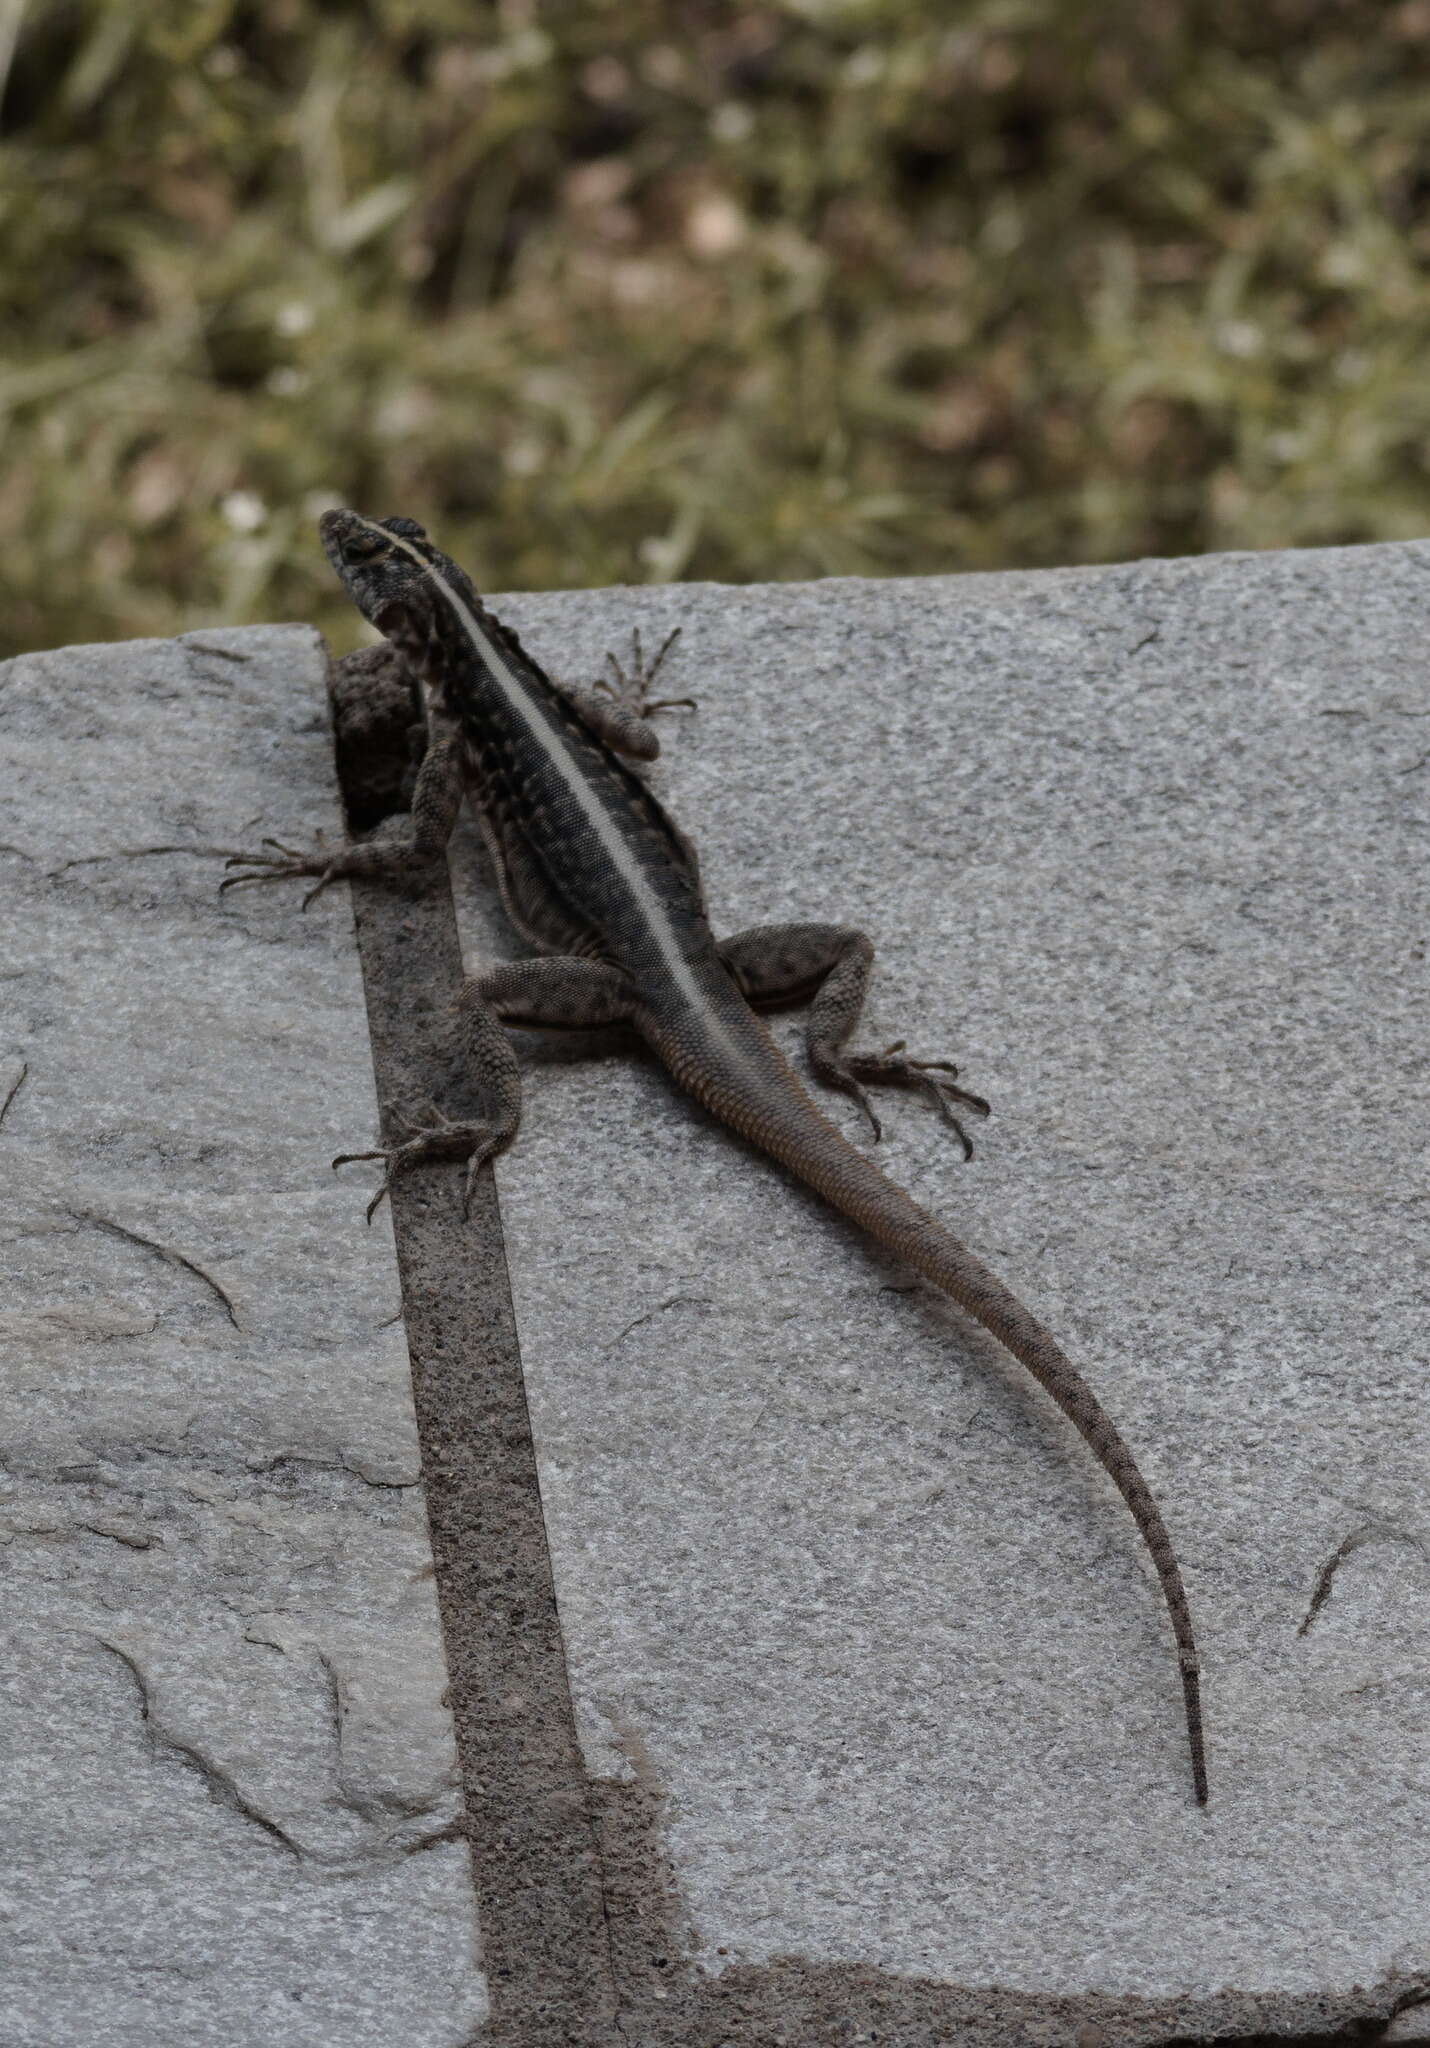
(1144, 849)
(229, 1799)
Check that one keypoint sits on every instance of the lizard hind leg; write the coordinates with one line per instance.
(829, 966)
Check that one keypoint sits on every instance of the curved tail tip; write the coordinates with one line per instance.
(1192, 1698)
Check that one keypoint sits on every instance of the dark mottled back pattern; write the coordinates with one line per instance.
(560, 884)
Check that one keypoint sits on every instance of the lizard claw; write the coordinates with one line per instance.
(279, 862)
(632, 692)
(861, 1096)
(346, 1159)
(441, 1138)
(329, 874)
(295, 852)
(891, 1068)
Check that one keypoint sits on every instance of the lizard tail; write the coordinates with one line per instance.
(802, 1138)
(963, 1276)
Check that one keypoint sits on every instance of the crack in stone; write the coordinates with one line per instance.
(377, 1810)
(132, 1539)
(1368, 1532)
(225, 1791)
(339, 1463)
(222, 1787)
(13, 1090)
(90, 860)
(675, 1301)
(164, 1252)
(207, 647)
(362, 1808)
(122, 1467)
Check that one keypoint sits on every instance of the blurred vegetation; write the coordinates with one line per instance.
(610, 291)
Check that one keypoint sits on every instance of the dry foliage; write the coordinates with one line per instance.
(615, 291)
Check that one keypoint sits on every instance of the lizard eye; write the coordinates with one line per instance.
(364, 545)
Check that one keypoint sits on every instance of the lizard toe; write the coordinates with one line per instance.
(893, 1068)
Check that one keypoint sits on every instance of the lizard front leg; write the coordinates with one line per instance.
(619, 706)
(546, 994)
(412, 844)
(828, 965)
(633, 691)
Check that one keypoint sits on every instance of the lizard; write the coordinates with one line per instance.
(597, 877)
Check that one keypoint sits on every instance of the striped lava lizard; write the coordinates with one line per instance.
(595, 875)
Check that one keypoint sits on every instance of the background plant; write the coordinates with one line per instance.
(617, 291)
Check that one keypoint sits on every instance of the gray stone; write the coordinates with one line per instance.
(1142, 848)
(229, 1800)
(1411, 2025)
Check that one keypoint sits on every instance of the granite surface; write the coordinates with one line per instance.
(229, 1803)
(1143, 848)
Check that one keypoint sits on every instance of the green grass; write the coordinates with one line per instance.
(610, 291)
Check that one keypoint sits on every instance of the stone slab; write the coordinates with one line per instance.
(1143, 848)
(229, 1802)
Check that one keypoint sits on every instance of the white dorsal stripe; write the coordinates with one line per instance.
(653, 911)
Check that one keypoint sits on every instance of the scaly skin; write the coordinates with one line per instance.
(599, 879)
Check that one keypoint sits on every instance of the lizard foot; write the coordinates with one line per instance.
(632, 692)
(442, 1138)
(892, 1069)
(283, 861)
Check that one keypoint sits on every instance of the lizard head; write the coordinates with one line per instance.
(390, 570)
